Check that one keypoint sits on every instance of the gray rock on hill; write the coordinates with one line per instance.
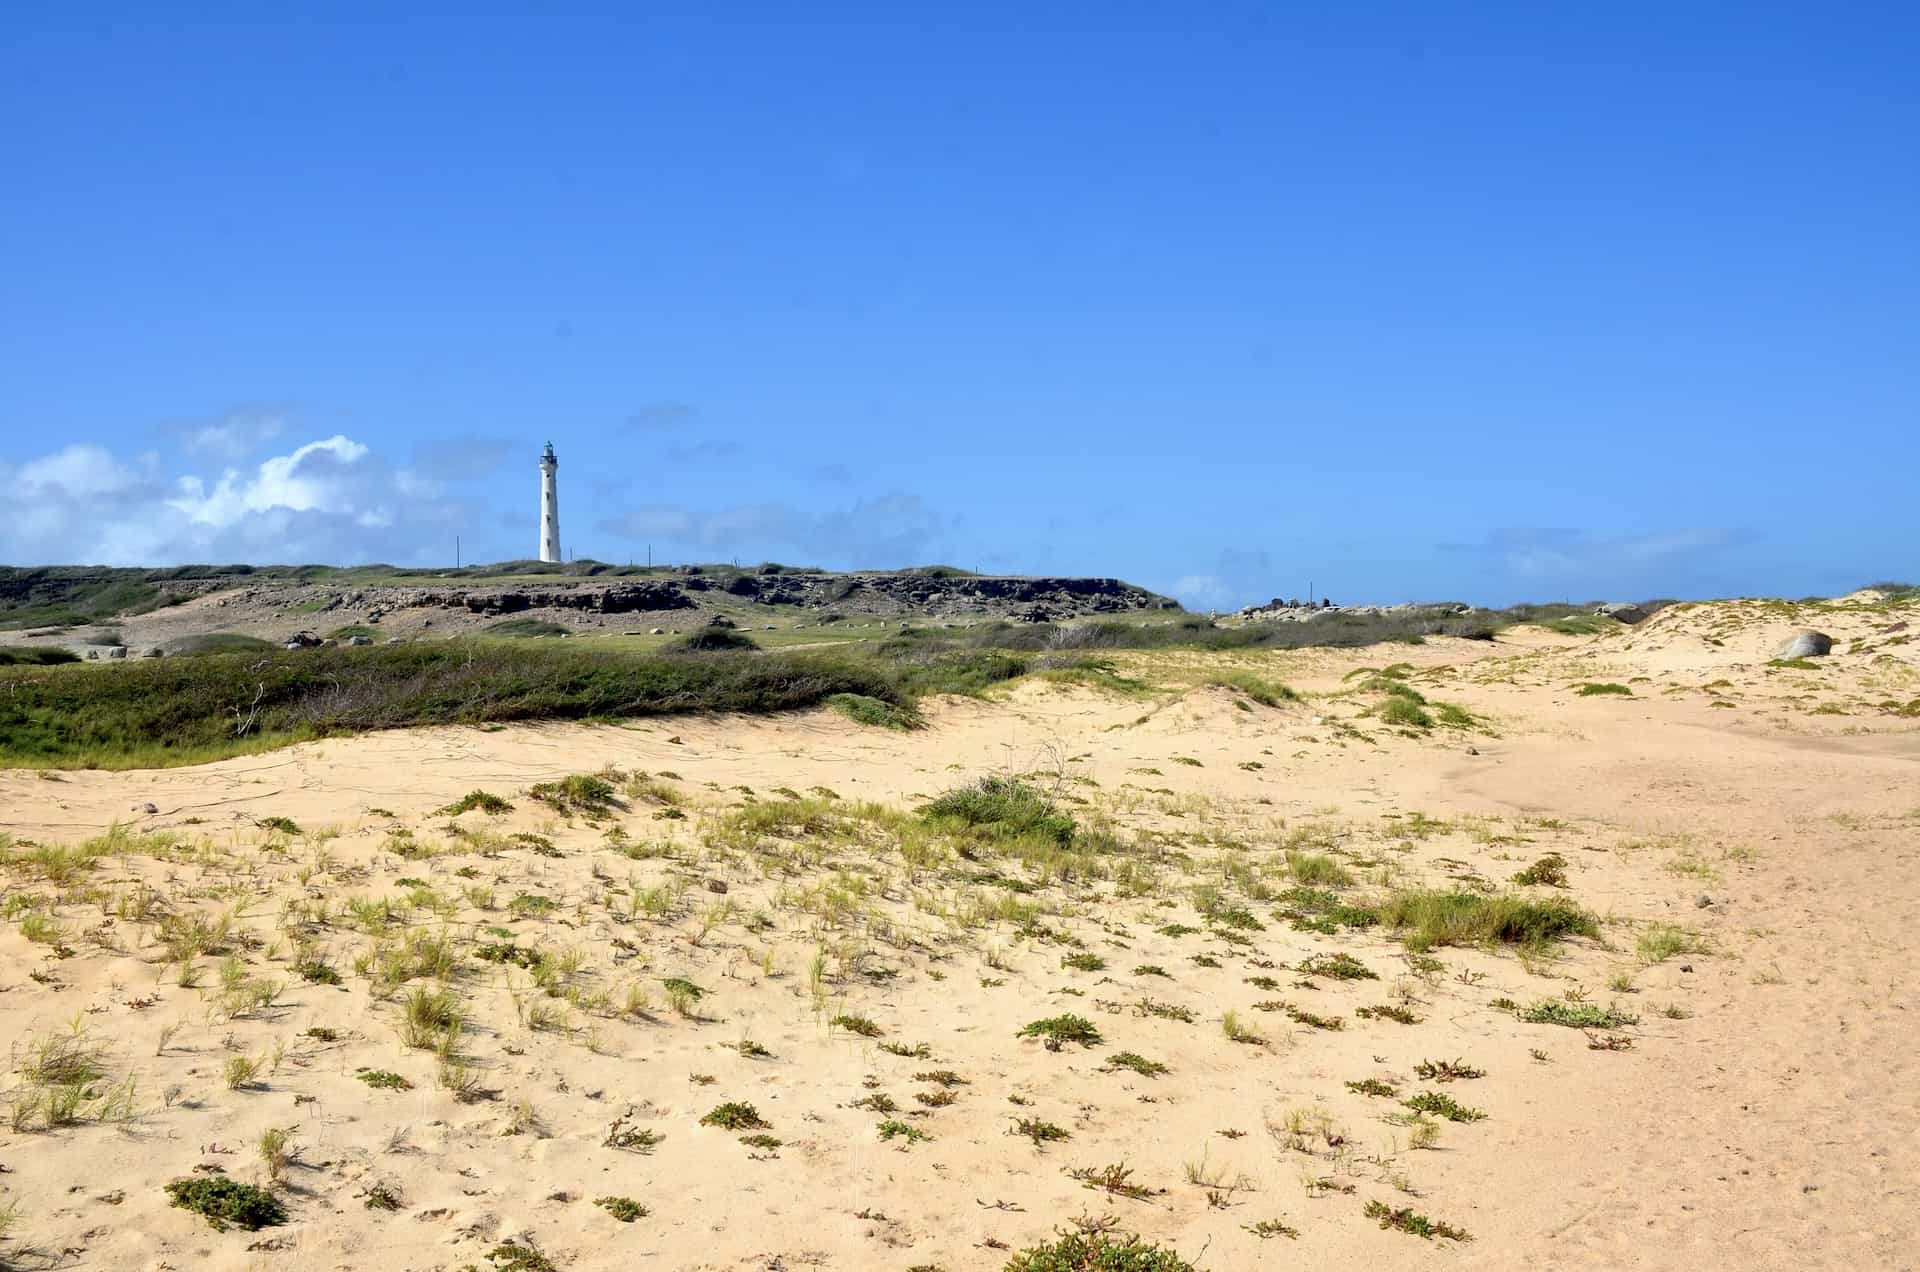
(1624, 612)
(1805, 644)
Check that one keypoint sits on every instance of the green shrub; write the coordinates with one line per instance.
(1003, 807)
(1430, 917)
(876, 712)
(20, 656)
(735, 1116)
(485, 801)
(166, 711)
(1592, 690)
(1097, 1252)
(1549, 871)
(525, 628)
(710, 640)
(1057, 1031)
(227, 1202)
(1558, 1011)
(1404, 712)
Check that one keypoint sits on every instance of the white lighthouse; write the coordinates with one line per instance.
(549, 505)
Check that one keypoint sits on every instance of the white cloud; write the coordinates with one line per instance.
(1202, 590)
(235, 435)
(316, 476)
(80, 471)
(327, 500)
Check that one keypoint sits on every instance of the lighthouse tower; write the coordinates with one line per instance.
(549, 505)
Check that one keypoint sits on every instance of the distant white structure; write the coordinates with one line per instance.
(549, 505)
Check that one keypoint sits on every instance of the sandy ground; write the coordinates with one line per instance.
(1762, 1111)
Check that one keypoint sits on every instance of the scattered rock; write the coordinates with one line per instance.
(1805, 644)
(359, 640)
(718, 886)
(1702, 901)
(117, 651)
(155, 652)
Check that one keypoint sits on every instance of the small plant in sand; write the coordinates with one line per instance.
(1548, 871)
(1084, 962)
(1658, 942)
(485, 801)
(1237, 1030)
(1058, 1031)
(1404, 1219)
(1135, 1063)
(1115, 1179)
(1373, 1087)
(383, 1080)
(624, 1135)
(226, 1203)
(859, 1025)
(1267, 1229)
(240, 1072)
(1441, 1105)
(586, 793)
(1590, 689)
(625, 1209)
(1387, 1011)
(1097, 1251)
(1557, 1011)
(893, 1128)
(735, 1116)
(518, 1256)
(1335, 967)
(682, 995)
(277, 1151)
(1039, 1132)
(1447, 1070)
(1003, 808)
(1431, 917)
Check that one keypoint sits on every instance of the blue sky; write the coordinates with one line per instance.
(1495, 302)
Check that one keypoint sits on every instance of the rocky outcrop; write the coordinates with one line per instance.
(1805, 644)
(609, 598)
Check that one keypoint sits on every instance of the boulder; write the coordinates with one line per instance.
(117, 651)
(1623, 611)
(155, 652)
(359, 640)
(1805, 644)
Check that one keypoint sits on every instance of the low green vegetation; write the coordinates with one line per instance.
(876, 712)
(1097, 1252)
(21, 656)
(525, 628)
(1602, 690)
(169, 711)
(1430, 917)
(227, 1203)
(1002, 808)
(1057, 1031)
(713, 640)
(219, 643)
(1405, 1219)
(1268, 693)
(735, 1116)
(1575, 1015)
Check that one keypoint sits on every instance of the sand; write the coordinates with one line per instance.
(1759, 1113)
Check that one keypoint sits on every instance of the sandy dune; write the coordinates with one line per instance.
(1760, 1112)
